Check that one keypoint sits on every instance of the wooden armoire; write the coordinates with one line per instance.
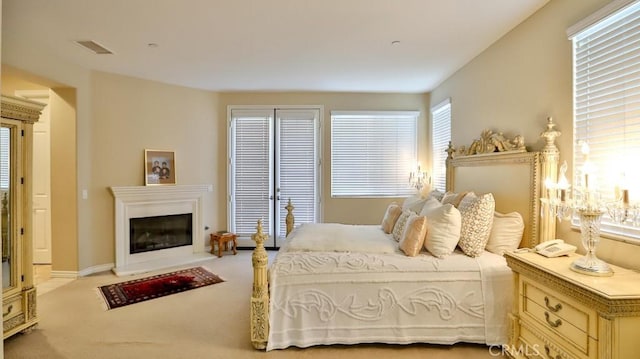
(16, 144)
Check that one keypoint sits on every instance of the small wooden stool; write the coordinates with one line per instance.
(223, 239)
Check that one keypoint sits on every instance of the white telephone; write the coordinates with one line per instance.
(554, 248)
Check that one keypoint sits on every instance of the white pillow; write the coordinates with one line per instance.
(477, 218)
(506, 232)
(431, 203)
(443, 228)
(414, 204)
(437, 194)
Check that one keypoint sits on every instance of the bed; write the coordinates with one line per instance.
(321, 290)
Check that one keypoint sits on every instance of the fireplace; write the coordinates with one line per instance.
(159, 232)
(158, 227)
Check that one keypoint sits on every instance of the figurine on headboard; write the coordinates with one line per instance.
(490, 142)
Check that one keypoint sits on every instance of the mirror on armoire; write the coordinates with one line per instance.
(5, 197)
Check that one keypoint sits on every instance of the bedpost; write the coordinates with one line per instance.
(260, 294)
(449, 180)
(289, 220)
(550, 156)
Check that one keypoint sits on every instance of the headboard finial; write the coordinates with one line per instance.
(550, 135)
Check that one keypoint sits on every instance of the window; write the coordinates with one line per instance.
(440, 137)
(606, 59)
(372, 153)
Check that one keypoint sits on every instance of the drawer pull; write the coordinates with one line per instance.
(547, 351)
(555, 324)
(9, 309)
(555, 308)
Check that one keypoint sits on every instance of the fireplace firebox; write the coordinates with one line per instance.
(159, 232)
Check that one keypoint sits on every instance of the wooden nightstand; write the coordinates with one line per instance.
(558, 313)
(222, 239)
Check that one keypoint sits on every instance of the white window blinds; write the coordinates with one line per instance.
(298, 165)
(440, 137)
(251, 187)
(607, 105)
(372, 153)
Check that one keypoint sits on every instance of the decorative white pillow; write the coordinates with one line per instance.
(413, 236)
(431, 203)
(398, 228)
(414, 204)
(506, 232)
(477, 218)
(390, 217)
(443, 228)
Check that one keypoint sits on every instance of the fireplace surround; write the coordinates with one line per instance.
(136, 202)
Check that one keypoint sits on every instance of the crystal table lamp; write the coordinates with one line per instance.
(588, 206)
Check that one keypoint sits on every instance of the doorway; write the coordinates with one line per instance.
(274, 156)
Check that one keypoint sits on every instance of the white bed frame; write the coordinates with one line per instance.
(490, 164)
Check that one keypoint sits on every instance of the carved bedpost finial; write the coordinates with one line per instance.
(549, 136)
(450, 151)
(260, 294)
(289, 219)
(258, 237)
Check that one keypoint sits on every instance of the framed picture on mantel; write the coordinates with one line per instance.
(159, 167)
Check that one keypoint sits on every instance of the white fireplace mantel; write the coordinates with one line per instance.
(149, 201)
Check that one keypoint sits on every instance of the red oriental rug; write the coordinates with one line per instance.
(138, 290)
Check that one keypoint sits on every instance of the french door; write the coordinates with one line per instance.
(274, 156)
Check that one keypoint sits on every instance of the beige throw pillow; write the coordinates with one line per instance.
(398, 228)
(453, 198)
(506, 232)
(443, 228)
(390, 217)
(477, 218)
(413, 235)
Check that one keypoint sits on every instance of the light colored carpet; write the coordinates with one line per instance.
(207, 322)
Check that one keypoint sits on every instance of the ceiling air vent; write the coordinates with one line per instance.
(94, 47)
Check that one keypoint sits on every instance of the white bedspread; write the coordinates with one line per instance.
(337, 237)
(334, 297)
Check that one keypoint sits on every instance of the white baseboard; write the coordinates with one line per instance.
(64, 274)
(96, 269)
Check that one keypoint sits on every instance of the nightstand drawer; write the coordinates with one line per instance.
(535, 344)
(552, 323)
(548, 300)
(567, 322)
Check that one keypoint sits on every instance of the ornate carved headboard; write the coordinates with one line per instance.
(513, 175)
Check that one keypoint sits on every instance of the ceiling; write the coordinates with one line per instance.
(269, 45)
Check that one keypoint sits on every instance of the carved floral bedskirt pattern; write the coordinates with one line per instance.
(340, 298)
